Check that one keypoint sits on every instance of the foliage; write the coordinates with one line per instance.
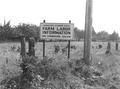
(28, 79)
(114, 36)
(28, 30)
(52, 73)
(78, 34)
(5, 31)
(36, 74)
(100, 36)
(8, 33)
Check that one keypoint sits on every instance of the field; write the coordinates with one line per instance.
(109, 65)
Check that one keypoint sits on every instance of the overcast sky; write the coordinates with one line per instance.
(106, 13)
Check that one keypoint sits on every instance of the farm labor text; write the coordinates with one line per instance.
(59, 30)
(56, 31)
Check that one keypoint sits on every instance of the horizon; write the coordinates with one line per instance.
(52, 22)
(105, 15)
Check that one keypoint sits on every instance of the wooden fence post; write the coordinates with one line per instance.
(69, 44)
(23, 46)
(43, 45)
(108, 51)
(88, 34)
(116, 46)
(31, 43)
(68, 49)
(43, 49)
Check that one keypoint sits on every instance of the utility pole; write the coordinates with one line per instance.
(88, 32)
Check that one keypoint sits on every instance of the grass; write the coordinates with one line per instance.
(107, 64)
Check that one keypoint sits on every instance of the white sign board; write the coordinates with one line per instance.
(56, 31)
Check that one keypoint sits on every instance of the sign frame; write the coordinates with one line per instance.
(56, 31)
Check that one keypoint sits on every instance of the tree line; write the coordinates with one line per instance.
(9, 33)
(96, 36)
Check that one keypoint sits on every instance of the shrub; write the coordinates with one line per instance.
(27, 79)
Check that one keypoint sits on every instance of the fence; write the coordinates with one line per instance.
(31, 45)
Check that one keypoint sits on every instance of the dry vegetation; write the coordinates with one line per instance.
(56, 71)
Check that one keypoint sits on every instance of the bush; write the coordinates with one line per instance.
(27, 79)
(37, 74)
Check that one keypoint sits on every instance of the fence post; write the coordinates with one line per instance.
(88, 35)
(108, 51)
(116, 46)
(31, 44)
(43, 45)
(69, 44)
(68, 49)
(43, 49)
(23, 46)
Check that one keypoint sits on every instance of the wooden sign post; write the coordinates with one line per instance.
(43, 45)
(69, 44)
(56, 31)
(88, 34)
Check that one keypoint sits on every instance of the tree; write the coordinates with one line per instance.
(28, 30)
(102, 35)
(93, 31)
(93, 34)
(78, 34)
(5, 31)
(114, 36)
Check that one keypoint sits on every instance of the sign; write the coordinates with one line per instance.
(56, 31)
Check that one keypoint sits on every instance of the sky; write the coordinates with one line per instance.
(106, 13)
